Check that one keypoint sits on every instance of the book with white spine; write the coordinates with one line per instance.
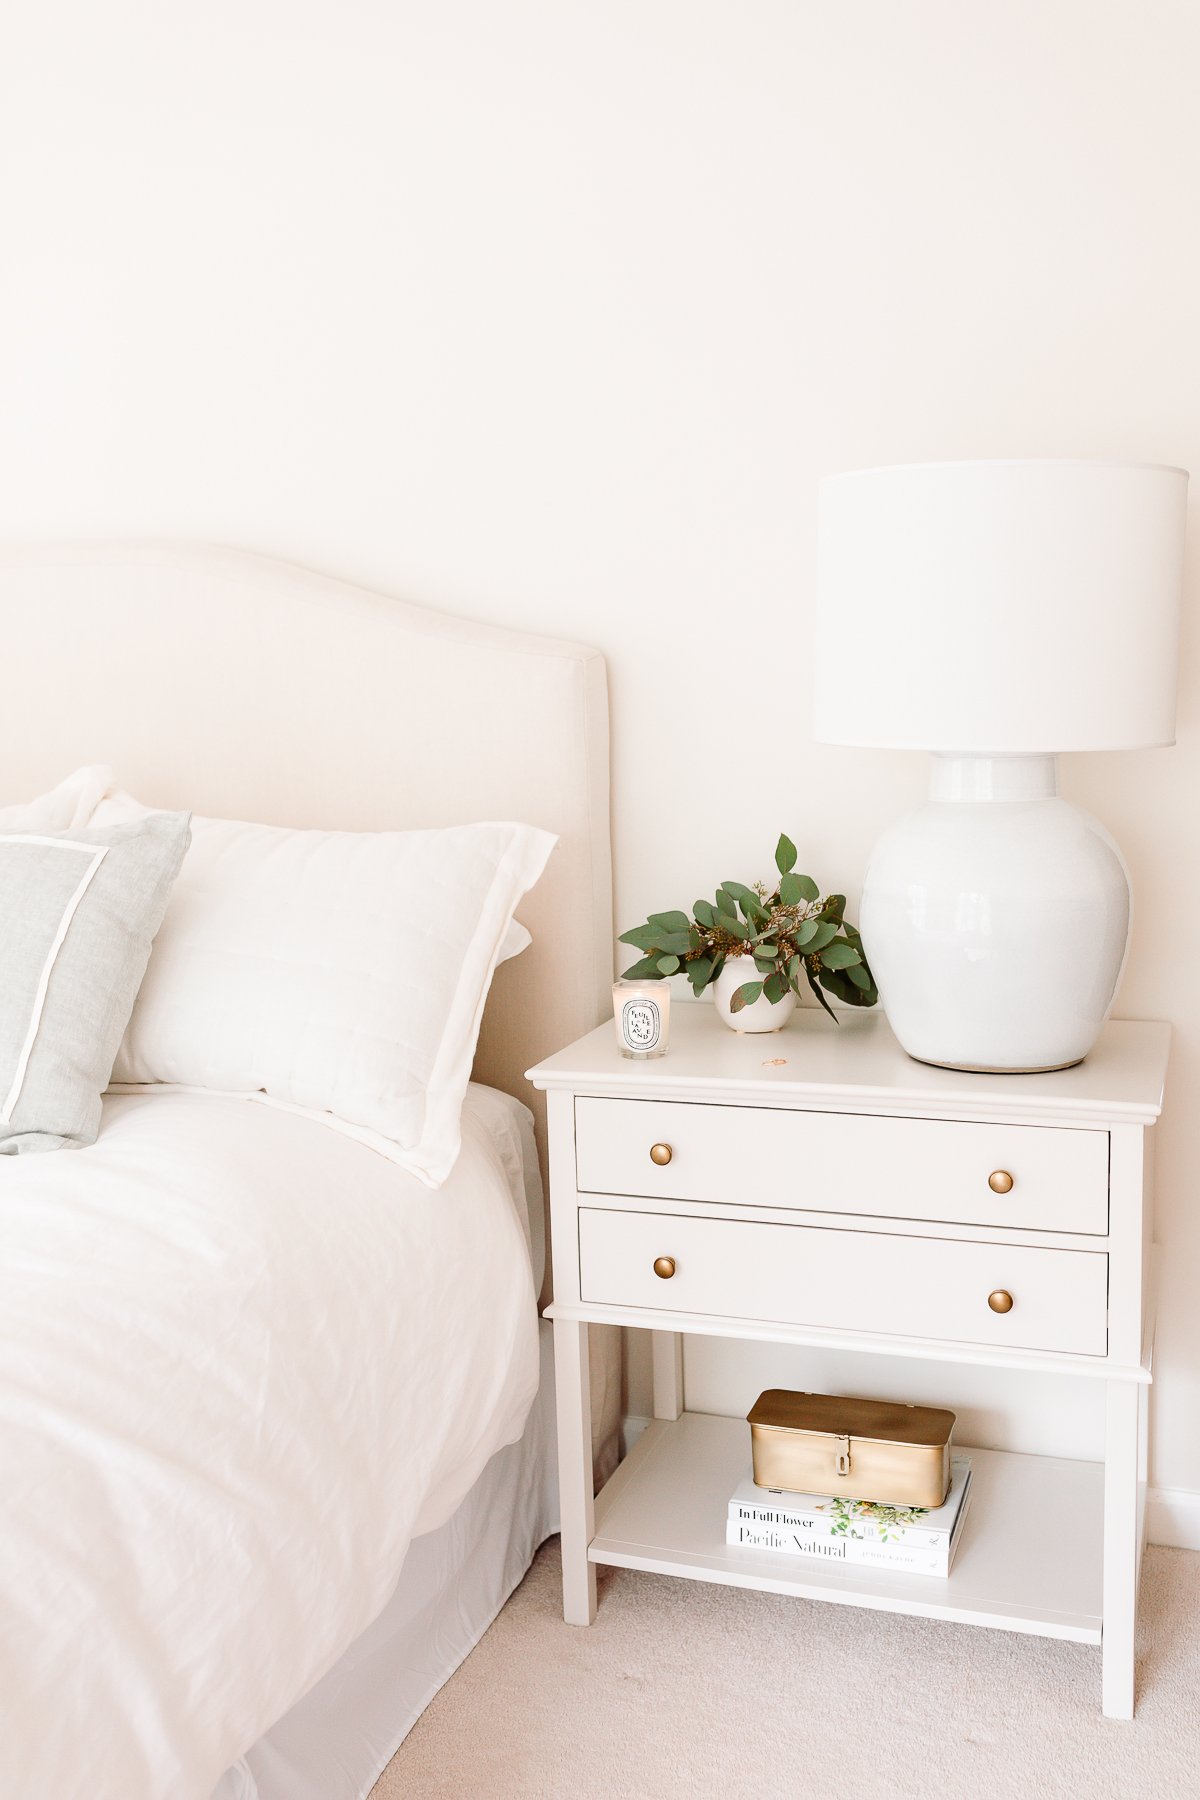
(830, 1528)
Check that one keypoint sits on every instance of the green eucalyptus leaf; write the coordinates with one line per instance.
(824, 934)
(775, 987)
(834, 981)
(643, 937)
(670, 921)
(699, 972)
(734, 927)
(642, 971)
(785, 855)
(673, 943)
(841, 983)
(813, 984)
(764, 964)
(839, 956)
(746, 995)
(738, 889)
(668, 965)
(856, 993)
(834, 907)
(704, 912)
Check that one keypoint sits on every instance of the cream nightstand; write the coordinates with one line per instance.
(817, 1187)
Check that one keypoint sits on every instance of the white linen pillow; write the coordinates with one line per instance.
(78, 912)
(90, 797)
(68, 807)
(336, 971)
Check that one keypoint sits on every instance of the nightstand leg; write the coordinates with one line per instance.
(574, 1406)
(1121, 1526)
(666, 1349)
(1143, 1477)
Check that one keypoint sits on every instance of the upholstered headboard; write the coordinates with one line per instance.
(242, 687)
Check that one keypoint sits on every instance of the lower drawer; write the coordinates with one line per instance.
(847, 1280)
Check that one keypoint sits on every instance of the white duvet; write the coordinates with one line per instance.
(243, 1361)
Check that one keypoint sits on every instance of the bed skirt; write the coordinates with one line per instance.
(336, 1741)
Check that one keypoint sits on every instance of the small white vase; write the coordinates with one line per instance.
(761, 1014)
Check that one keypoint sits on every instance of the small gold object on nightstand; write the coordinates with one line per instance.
(867, 1449)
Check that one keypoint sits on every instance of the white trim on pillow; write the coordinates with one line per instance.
(96, 854)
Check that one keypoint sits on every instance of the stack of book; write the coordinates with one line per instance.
(916, 1539)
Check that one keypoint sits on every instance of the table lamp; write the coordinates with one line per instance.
(996, 614)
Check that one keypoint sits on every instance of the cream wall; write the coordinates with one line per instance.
(555, 314)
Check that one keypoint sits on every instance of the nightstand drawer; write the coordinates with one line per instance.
(1025, 1177)
(847, 1280)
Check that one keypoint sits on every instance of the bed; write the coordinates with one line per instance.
(342, 1554)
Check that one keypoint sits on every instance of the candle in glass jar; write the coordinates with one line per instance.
(642, 1017)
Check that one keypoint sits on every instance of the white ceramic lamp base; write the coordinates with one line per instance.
(996, 919)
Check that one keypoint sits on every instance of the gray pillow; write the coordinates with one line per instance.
(78, 914)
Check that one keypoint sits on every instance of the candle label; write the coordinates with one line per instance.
(641, 1023)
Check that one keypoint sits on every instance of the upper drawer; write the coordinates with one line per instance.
(938, 1169)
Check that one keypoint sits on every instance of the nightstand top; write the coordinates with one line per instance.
(858, 1064)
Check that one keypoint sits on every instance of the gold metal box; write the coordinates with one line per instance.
(863, 1449)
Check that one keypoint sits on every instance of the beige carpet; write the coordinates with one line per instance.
(685, 1690)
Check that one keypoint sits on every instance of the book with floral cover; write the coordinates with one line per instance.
(922, 1540)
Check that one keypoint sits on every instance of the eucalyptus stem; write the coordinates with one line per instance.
(790, 931)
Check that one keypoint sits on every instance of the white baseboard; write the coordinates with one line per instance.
(1172, 1514)
(1173, 1517)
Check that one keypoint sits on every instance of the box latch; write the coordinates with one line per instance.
(843, 1456)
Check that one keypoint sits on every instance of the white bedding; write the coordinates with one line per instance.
(243, 1361)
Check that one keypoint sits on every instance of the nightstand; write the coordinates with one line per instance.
(817, 1187)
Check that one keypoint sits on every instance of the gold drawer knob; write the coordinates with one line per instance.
(664, 1267)
(1000, 1181)
(661, 1154)
(1000, 1300)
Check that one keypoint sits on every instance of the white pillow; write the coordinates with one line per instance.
(78, 912)
(68, 807)
(90, 797)
(332, 970)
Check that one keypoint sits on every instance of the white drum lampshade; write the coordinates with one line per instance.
(1002, 612)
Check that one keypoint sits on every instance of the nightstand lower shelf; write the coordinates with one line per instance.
(1030, 1559)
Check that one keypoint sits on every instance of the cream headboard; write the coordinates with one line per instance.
(242, 687)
